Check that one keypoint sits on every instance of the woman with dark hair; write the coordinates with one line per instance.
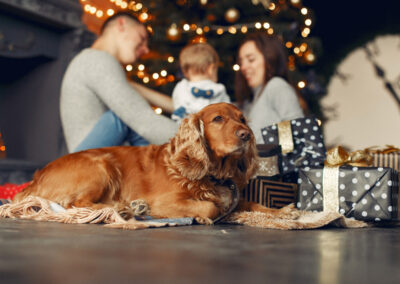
(261, 87)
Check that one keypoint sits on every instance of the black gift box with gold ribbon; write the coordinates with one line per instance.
(365, 193)
(301, 141)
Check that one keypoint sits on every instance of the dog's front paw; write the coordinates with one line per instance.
(204, 220)
(140, 207)
(289, 212)
(126, 212)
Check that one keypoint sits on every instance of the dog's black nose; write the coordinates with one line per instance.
(243, 134)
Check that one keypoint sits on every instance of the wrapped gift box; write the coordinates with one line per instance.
(365, 193)
(301, 141)
(390, 160)
(273, 194)
(269, 161)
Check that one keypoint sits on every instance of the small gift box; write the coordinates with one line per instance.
(265, 188)
(365, 193)
(301, 141)
(273, 194)
(388, 157)
(269, 160)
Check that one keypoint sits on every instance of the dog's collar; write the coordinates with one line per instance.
(235, 197)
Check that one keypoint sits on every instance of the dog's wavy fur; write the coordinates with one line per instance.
(177, 179)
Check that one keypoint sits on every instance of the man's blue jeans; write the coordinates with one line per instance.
(110, 130)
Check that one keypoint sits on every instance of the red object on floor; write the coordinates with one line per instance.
(9, 190)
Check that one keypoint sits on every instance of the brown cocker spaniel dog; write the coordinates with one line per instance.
(177, 179)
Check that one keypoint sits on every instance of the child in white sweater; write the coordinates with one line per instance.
(199, 64)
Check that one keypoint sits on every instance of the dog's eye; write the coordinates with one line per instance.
(243, 120)
(218, 118)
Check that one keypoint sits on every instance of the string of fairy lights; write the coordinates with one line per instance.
(300, 50)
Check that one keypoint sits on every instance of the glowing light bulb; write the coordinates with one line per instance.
(304, 11)
(173, 31)
(170, 59)
(99, 13)
(243, 29)
(141, 67)
(308, 22)
(303, 47)
(144, 16)
(272, 6)
(163, 73)
(301, 84)
(129, 67)
(186, 27)
(236, 67)
(156, 76)
(305, 32)
(310, 57)
(110, 12)
(258, 25)
(266, 25)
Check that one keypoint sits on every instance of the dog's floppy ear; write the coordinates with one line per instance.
(190, 155)
(250, 159)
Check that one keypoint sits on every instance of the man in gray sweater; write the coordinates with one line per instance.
(99, 106)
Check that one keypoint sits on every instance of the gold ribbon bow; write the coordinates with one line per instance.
(387, 150)
(335, 158)
(338, 157)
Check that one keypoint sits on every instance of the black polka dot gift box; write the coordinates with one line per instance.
(364, 193)
(301, 141)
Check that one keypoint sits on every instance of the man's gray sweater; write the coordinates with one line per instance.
(94, 83)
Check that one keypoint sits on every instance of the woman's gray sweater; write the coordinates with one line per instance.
(275, 103)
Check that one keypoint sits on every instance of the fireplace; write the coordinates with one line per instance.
(38, 38)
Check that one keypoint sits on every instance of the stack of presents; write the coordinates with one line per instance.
(294, 167)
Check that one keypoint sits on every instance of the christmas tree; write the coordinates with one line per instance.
(223, 24)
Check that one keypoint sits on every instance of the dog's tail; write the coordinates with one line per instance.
(27, 190)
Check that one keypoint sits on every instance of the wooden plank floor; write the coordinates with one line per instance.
(44, 252)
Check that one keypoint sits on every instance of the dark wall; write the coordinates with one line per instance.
(29, 109)
(38, 39)
(344, 25)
